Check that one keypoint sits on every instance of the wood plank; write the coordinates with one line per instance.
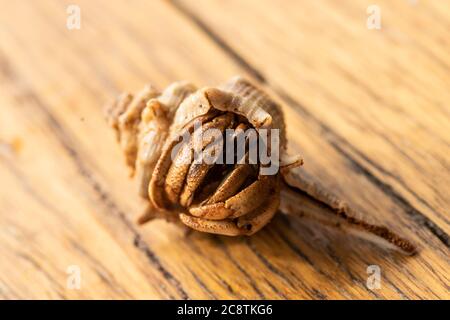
(381, 95)
(72, 202)
(52, 219)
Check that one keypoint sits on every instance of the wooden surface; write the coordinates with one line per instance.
(368, 109)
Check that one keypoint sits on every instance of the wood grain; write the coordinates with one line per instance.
(368, 109)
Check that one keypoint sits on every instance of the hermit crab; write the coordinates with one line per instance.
(166, 138)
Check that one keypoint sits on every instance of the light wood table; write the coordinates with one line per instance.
(368, 109)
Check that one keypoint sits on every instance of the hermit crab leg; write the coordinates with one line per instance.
(249, 222)
(259, 217)
(215, 211)
(198, 171)
(306, 198)
(195, 176)
(238, 205)
(231, 183)
(250, 198)
(246, 200)
(234, 180)
(177, 172)
(214, 207)
(156, 186)
(223, 227)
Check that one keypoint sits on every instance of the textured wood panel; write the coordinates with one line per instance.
(368, 109)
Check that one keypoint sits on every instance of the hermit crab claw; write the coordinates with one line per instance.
(215, 160)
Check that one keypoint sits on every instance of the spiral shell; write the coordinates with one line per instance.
(238, 199)
(233, 199)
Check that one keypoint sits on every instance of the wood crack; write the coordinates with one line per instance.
(101, 271)
(200, 252)
(58, 288)
(239, 267)
(298, 252)
(276, 271)
(202, 284)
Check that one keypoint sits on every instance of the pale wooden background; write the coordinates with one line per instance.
(368, 109)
